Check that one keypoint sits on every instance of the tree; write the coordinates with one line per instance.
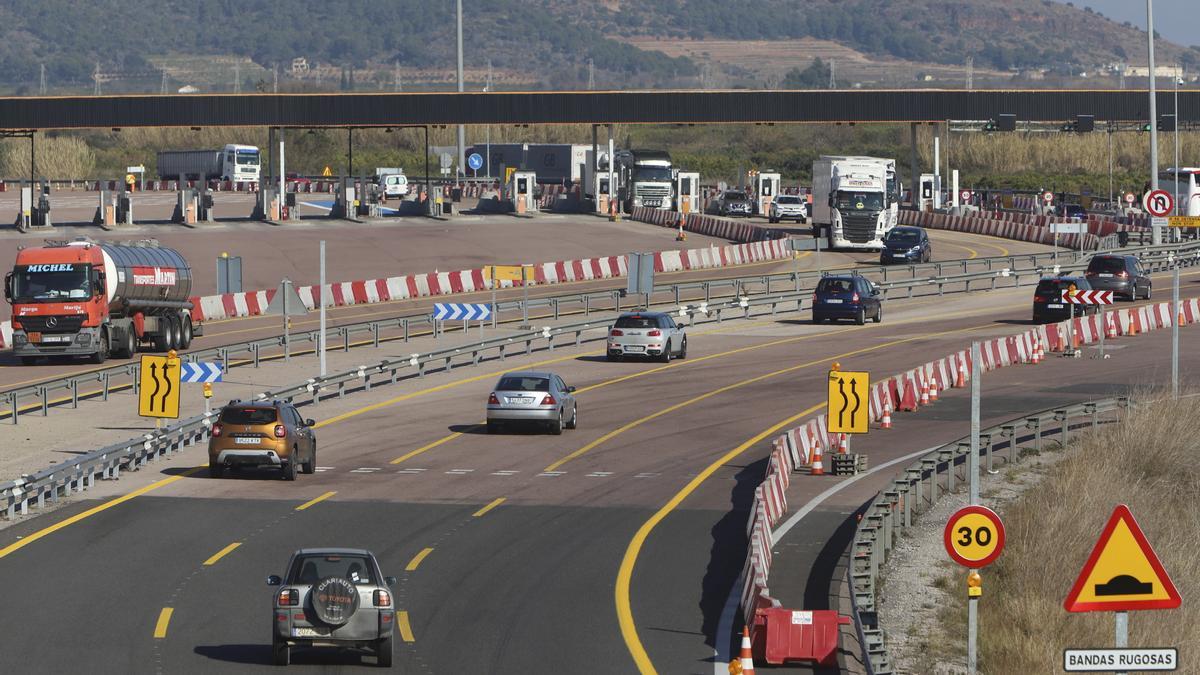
(815, 76)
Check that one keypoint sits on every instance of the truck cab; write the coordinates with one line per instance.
(853, 201)
(646, 179)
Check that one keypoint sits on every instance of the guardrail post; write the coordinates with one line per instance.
(404, 325)
(104, 388)
(502, 351)
(706, 292)
(947, 455)
(676, 289)
(74, 393)
(578, 337)
(528, 346)
(1066, 425)
(223, 352)
(342, 389)
(449, 364)
(616, 295)
(1095, 410)
(345, 339)
(16, 407)
(587, 303)
(554, 301)
(45, 394)
(550, 342)
(375, 334)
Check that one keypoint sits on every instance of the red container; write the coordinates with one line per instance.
(783, 635)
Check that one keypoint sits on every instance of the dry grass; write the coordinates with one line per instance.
(1149, 461)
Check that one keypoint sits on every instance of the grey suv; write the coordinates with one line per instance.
(334, 597)
(647, 334)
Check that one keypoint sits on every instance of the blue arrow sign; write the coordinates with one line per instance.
(475, 161)
(455, 311)
(201, 371)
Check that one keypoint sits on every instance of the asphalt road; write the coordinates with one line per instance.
(533, 582)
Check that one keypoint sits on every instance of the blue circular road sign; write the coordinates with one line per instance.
(475, 161)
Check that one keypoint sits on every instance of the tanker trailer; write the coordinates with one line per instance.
(84, 298)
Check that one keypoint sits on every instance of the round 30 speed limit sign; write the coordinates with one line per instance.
(974, 536)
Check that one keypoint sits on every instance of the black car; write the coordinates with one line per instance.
(906, 245)
(1048, 305)
(1121, 274)
(846, 297)
(1071, 211)
(734, 203)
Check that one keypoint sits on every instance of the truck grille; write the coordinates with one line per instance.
(38, 324)
(859, 229)
(653, 191)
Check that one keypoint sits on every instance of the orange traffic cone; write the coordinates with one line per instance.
(1110, 326)
(843, 444)
(886, 421)
(816, 468)
(682, 236)
(924, 393)
(747, 658)
(962, 375)
(933, 390)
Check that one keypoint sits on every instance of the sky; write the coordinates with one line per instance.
(1175, 20)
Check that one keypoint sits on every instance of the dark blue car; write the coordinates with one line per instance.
(846, 297)
(906, 244)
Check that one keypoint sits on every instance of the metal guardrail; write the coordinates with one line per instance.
(39, 395)
(917, 488)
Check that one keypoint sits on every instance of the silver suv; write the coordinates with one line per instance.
(334, 597)
(787, 207)
(647, 334)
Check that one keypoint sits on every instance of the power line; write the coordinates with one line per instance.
(42, 85)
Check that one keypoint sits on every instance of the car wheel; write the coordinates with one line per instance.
(878, 314)
(556, 427)
(310, 466)
(861, 318)
(101, 354)
(215, 470)
(281, 652)
(383, 652)
(1148, 287)
(772, 220)
(289, 468)
(574, 421)
(683, 349)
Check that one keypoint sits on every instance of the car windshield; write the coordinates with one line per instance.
(908, 237)
(1057, 286)
(525, 383)
(310, 569)
(787, 199)
(653, 173)
(1106, 265)
(836, 286)
(65, 281)
(236, 415)
(856, 201)
(636, 322)
(735, 196)
(247, 157)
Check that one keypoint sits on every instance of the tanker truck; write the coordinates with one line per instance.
(83, 298)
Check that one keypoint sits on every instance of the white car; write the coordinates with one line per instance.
(394, 185)
(787, 207)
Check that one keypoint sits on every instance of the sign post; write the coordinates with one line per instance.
(287, 303)
(475, 162)
(803, 244)
(1122, 573)
(974, 538)
(1175, 311)
(1072, 296)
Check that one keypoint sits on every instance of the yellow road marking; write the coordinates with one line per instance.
(430, 446)
(222, 553)
(315, 500)
(625, 573)
(164, 620)
(416, 561)
(17, 545)
(406, 633)
(489, 507)
(968, 249)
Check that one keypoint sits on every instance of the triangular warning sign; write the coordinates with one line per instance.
(327, 172)
(1122, 573)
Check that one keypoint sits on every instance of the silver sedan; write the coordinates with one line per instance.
(647, 334)
(532, 396)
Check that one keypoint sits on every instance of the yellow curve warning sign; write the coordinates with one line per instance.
(158, 387)
(849, 401)
(1122, 573)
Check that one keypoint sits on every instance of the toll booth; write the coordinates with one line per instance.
(194, 205)
(125, 207)
(929, 195)
(766, 186)
(35, 207)
(520, 190)
(603, 194)
(687, 192)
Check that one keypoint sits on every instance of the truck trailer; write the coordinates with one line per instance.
(83, 298)
(233, 162)
(854, 201)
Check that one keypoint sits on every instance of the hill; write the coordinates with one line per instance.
(148, 45)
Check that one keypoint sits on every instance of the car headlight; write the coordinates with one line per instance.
(914, 249)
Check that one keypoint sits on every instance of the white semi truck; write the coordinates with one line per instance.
(644, 178)
(233, 162)
(855, 200)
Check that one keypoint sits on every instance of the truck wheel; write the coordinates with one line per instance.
(128, 345)
(175, 329)
(161, 340)
(101, 354)
(185, 335)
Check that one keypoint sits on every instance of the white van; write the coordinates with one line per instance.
(394, 185)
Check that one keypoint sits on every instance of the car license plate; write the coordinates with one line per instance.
(652, 202)
(632, 348)
(56, 338)
(520, 399)
(35, 337)
(304, 631)
(1104, 274)
(1054, 305)
(834, 301)
(246, 440)
(898, 255)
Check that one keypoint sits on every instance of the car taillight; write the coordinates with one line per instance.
(615, 333)
(1123, 275)
(854, 298)
(492, 400)
(382, 598)
(654, 333)
(280, 431)
(814, 298)
(289, 597)
(549, 400)
(216, 430)
(1039, 298)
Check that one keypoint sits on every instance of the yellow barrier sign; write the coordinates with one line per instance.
(158, 387)
(1184, 221)
(506, 272)
(849, 401)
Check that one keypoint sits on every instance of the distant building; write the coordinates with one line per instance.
(299, 66)
(1144, 71)
(188, 89)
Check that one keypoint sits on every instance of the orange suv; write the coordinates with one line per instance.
(262, 433)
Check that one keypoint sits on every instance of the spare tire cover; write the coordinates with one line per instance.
(334, 599)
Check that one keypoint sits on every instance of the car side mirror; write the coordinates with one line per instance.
(274, 580)
(570, 390)
(8, 286)
(309, 423)
(390, 581)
